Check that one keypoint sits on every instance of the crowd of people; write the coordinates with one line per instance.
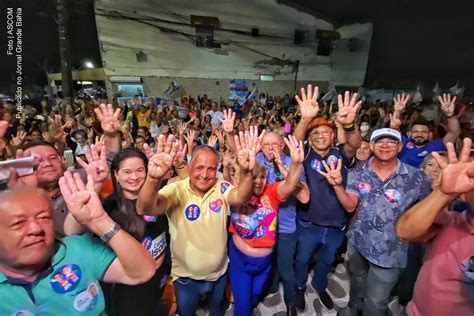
(131, 196)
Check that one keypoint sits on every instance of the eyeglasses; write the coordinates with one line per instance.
(388, 143)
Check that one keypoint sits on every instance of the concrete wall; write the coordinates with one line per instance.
(139, 26)
(349, 67)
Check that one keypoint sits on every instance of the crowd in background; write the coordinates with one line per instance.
(248, 195)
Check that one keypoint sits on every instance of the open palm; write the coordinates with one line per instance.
(162, 161)
(458, 174)
(348, 108)
(308, 102)
(82, 200)
(109, 119)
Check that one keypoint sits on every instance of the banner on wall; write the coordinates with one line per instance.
(173, 88)
(238, 89)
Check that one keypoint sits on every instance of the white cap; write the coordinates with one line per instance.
(385, 132)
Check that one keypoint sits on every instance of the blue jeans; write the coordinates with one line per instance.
(312, 238)
(247, 278)
(286, 265)
(189, 291)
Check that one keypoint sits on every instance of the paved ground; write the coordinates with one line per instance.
(338, 288)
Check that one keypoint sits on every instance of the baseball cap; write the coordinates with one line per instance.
(319, 121)
(385, 132)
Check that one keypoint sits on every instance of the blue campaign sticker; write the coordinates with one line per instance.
(224, 186)
(316, 165)
(66, 278)
(192, 212)
(392, 195)
(147, 242)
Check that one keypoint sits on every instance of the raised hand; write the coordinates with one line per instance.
(308, 103)
(246, 150)
(81, 200)
(149, 151)
(333, 173)
(279, 162)
(189, 138)
(254, 134)
(447, 104)
(228, 122)
(109, 119)
(296, 149)
(180, 159)
(220, 137)
(182, 127)
(96, 165)
(162, 160)
(400, 102)
(395, 123)
(18, 139)
(458, 174)
(3, 128)
(348, 108)
(212, 140)
(57, 130)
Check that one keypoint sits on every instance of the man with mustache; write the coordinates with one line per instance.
(198, 230)
(419, 142)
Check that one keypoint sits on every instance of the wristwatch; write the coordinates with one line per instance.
(111, 233)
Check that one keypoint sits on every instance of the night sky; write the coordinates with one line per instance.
(413, 41)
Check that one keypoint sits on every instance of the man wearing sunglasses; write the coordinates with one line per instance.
(381, 191)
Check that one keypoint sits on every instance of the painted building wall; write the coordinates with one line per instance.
(161, 30)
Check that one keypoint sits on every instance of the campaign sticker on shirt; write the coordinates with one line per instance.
(216, 205)
(146, 242)
(467, 268)
(260, 231)
(150, 218)
(224, 186)
(364, 188)
(192, 212)
(332, 161)
(410, 145)
(22, 312)
(66, 278)
(155, 246)
(392, 195)
(423, 153)
(87, 299)
(316, 165)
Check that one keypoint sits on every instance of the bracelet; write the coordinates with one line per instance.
(348, 128)
(450, 116)
(179, 168)
(111, 233)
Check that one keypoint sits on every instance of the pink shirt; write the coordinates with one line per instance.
(444, 285)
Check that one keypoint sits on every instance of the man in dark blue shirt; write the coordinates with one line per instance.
(322, 221)
(419, 142)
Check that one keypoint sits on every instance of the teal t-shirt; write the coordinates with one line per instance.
(69, 287)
